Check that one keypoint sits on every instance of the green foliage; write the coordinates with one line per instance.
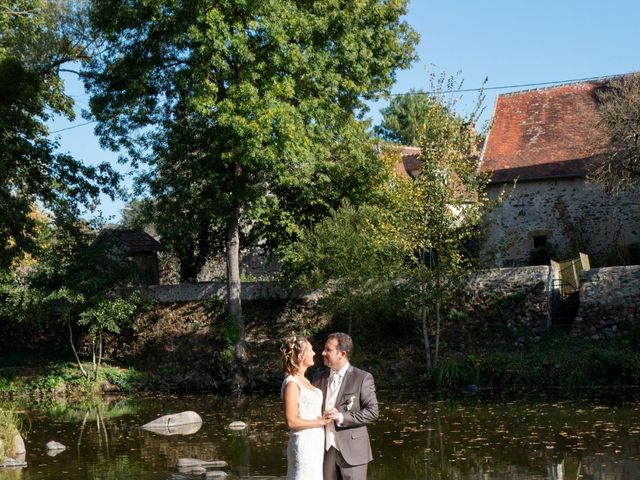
(228, 338)
(412, 231)
(346, 247)
(560, 361)
(109, 315)
(128, 380)
(50, 384)
(78, 282)
(10, 426)
(245, 112)
(456, 372)
(404, 120)
(38, 37)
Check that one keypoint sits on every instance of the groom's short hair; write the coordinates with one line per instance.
(345, 344)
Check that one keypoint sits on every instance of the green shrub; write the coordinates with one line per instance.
(451, 373)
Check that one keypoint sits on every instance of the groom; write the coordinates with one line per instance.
(350, 401)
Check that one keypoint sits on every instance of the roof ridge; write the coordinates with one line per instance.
(564, 84)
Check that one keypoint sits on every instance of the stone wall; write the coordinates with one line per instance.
(510, 297)
(609, 301)
(255, 265)
(187, 292)
(570, 212)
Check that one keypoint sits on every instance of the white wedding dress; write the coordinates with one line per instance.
(306, 447)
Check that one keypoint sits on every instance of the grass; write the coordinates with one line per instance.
(9, 429)
(554, 360)
(32, 374)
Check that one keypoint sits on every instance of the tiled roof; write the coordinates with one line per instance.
(544, 133)
(410, 163)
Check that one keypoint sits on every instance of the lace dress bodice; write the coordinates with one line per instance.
(305, 451)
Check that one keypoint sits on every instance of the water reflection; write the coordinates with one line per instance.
(415, 438)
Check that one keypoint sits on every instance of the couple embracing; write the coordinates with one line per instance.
(327, 417)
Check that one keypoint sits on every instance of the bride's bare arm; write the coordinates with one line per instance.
(291, 411)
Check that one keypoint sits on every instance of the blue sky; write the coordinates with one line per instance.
(509, 42)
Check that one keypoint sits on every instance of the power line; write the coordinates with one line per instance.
(73, 126)
(462, 90)
(482, 89)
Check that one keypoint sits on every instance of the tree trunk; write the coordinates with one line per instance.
(424, 310)
(73, 348)
(93, 357)
(234, 299)
(436, 353)
(99, 354)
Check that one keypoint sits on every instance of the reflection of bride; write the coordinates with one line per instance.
(302, 412)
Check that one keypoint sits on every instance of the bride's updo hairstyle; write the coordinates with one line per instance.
(292, 348)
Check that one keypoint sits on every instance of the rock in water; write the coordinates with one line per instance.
(18, 445)
(183, 423)
(237, 425)
(54, 446)
(184, 463)
(215, 474)
(17, 462)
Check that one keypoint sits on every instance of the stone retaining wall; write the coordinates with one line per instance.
(609, 297)
(511, 297)
(187, 292)
(609, 301)
(509, 279)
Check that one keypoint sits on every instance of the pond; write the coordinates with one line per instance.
(414, 438)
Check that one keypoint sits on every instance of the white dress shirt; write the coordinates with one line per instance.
(333, 388)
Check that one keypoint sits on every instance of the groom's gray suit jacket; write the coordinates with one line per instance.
(358, 404)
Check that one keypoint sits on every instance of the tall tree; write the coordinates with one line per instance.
(403, 121)
(439, 212)
(37, 38)
(419, 231)
(409, 116)
(619, 118)
(239, 105)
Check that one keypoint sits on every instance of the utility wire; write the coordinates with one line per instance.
(482, 89)
(73, 126)
(462, 90)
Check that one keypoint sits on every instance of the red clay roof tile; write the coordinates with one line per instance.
(544, 133)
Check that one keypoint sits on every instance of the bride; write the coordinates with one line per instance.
(302, 412)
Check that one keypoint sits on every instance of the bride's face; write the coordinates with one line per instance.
(307, 356)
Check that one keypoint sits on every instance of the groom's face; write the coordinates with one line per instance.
(333, 358)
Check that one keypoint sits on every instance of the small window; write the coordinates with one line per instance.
(540, 241)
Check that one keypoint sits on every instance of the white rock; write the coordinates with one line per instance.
(237, 425)
(18, 445)
(183, 423)
(53, 446)
(17, 462)
(215, 474)
(196, 462)
(174, 420)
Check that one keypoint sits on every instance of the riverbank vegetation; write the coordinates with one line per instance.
(555, 362)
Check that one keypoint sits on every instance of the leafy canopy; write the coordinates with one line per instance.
(247, 108)
(38, 37)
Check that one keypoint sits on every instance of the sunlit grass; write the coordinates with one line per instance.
(9, 429)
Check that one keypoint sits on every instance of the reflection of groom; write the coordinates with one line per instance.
(349, 400)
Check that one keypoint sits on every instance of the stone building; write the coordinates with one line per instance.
(538, 151)
(137, 247)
